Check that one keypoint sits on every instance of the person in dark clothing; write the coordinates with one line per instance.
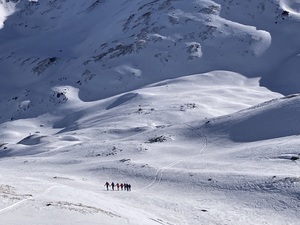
(121, 185)
(106, 185)
(113, 186)
(129, 187)
(118, 186)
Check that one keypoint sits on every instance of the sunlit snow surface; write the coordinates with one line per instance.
(6, 8)
(79, 108)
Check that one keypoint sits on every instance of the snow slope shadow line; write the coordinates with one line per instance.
(284, 158)
(159, 173)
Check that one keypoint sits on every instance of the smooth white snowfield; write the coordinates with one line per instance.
(184, 100)
(54, 167)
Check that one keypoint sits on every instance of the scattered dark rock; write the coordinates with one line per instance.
(118, 50)
(157, 139)
(94, 5)
(110, 152)
(188, 106)
(2, 144)
(58, 97)
(124, 160)
(44, 64)
(211, 10)
(285, 13)
(52, 59)
(59, 94)
(294, 158)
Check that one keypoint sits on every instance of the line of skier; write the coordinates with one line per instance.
(118, 186)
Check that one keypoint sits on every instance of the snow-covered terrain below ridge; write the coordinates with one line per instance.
(194, 103)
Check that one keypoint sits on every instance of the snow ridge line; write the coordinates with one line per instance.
(14, 205)
(48, 190)
(159, 173)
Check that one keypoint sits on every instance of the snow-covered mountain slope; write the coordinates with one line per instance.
(273, 119)
(105, 48)
(186, 161)
(166, 103)
(182, 99)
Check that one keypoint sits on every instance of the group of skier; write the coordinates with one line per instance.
(118, 186)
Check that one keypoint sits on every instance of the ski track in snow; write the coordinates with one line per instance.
(159, 173)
